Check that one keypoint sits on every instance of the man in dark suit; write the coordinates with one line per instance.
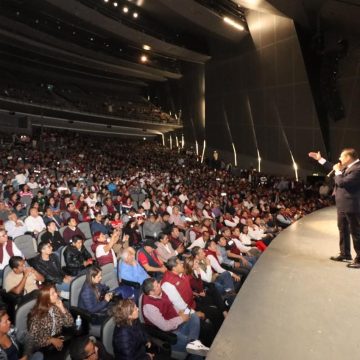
(347, 196)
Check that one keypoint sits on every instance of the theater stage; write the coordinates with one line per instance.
(296, 304)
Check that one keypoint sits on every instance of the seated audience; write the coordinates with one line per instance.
(48, 264)
(21, 280)
(7, 250)
(158, 311)
(95, 297)
(200, 241)
(14, 226)
(53, 236)
(177, 287)
(72, 230)
(205, 293)
(164, 248)
(152, 226)
(72, 212)
(131, 229)
(102, 247)
(98, 225)
(149, 260)
(129, 269)
(9, 344)
(88, 348)
(46, 322)
(130, 341)
(77, 258)
(34, 222)
(50, 216)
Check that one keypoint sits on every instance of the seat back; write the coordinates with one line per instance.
(109, 277)
(27, 245)
(6, 271)
(87, 244)
(21, 317)
(41, 233)
(62, 257)
(107, 332)
(85, 228)
(61, 230)
(141, 315)
(75, 289)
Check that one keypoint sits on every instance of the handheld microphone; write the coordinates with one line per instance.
(332, 171)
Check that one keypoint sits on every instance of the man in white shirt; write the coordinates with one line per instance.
(14, 226)
(34, 222)
(201, 241)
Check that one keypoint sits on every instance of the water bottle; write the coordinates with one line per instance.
(78, 322)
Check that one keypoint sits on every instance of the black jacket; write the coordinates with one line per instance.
(129, 342)
(51, 269)
(74, 259)
(347, 188)
(56, 239)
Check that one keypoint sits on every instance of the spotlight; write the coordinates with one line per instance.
(135, 15)
(125, 9)
(144, 59)
(233, 23)
(146, 47)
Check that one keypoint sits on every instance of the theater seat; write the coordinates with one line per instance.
(107, 331)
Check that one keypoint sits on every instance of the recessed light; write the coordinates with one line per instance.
(146, 47)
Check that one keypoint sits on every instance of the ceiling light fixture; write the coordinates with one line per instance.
(146, 47)
(144, 58)
(135, 15)
(125, 9)
(115, 4)
(233, 23)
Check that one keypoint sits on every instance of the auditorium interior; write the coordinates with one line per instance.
(157, 195)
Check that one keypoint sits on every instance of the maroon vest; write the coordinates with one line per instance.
(9, 250)
(164, 305)
(102, 260)
(213, 253)
(182, 285)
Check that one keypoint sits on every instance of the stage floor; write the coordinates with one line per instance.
(296, 304)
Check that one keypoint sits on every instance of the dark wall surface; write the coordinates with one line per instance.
(262, 89)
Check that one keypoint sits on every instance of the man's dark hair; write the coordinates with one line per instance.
(69, 219)
(77, 347)
(51, 221)
(42, 245)
(148, 285)
(14, 261)
(171, 263)
(352, 153)
(75, 238)
(195, 250)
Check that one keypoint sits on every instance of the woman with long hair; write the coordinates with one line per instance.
(130, 342)
(95, 297)
(207, 297)
(46, 321)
